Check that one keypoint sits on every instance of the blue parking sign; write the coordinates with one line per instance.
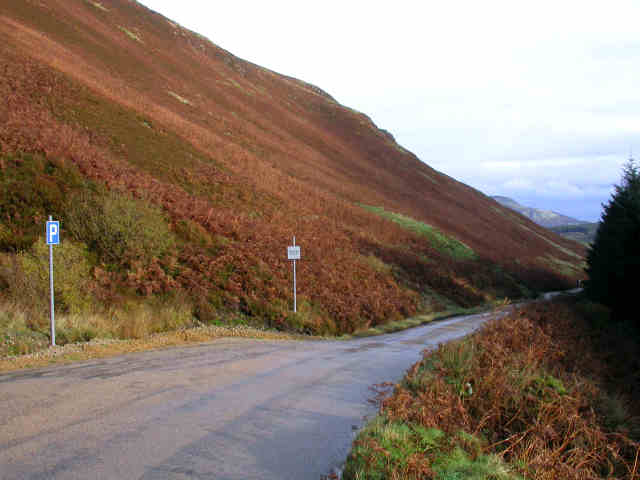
(53, 233)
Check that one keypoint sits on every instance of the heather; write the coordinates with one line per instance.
(541, 393)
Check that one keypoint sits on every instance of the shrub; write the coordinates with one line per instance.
(119, 228)
(26, 276)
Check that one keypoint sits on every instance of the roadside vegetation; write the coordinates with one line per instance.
(543, 393)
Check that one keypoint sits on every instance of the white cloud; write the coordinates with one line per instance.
(560, 188)
(518, 185)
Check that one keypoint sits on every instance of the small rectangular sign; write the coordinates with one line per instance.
(53, 233)
(293, 253)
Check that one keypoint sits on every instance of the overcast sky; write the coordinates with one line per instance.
(536, 100)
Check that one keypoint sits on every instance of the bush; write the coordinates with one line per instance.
(119, 228)
(26, 276)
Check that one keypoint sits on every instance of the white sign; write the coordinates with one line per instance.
(53, 233)
(293, 253)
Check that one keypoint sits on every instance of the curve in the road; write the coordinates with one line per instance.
(229, 409)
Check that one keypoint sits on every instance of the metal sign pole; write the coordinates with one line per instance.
(293, 254)
(53, 314)
(295, 309)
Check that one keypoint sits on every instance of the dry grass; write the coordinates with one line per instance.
(86, 334)
(102, 348)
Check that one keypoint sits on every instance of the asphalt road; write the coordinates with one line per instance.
(228, 409)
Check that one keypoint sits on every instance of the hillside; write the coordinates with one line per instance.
(180, 172)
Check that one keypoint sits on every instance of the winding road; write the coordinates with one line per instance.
(227, 409)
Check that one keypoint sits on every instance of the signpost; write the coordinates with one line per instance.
(53, 238)
(293, 253)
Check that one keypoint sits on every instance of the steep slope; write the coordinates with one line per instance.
(116, 117)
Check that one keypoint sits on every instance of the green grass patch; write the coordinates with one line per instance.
(459, 464)
(440, 241)
(387, 449)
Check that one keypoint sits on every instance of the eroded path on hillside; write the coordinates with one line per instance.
(229, 409)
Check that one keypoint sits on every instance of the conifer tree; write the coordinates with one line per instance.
(613, 261)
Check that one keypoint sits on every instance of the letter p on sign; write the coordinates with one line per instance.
(53, 233)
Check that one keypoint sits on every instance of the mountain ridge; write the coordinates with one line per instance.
(546, 218)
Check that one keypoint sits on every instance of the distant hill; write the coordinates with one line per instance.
(546, 218)
(568, 227)
(583, 233)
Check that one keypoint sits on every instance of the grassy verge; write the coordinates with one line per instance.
(79, 336)
(102, 348)
(133, 327)
(539, 394)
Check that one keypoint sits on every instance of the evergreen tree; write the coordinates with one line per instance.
(613, 261)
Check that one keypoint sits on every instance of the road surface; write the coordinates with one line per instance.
(228, 409)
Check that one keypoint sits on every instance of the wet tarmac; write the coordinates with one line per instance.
(228, 409)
